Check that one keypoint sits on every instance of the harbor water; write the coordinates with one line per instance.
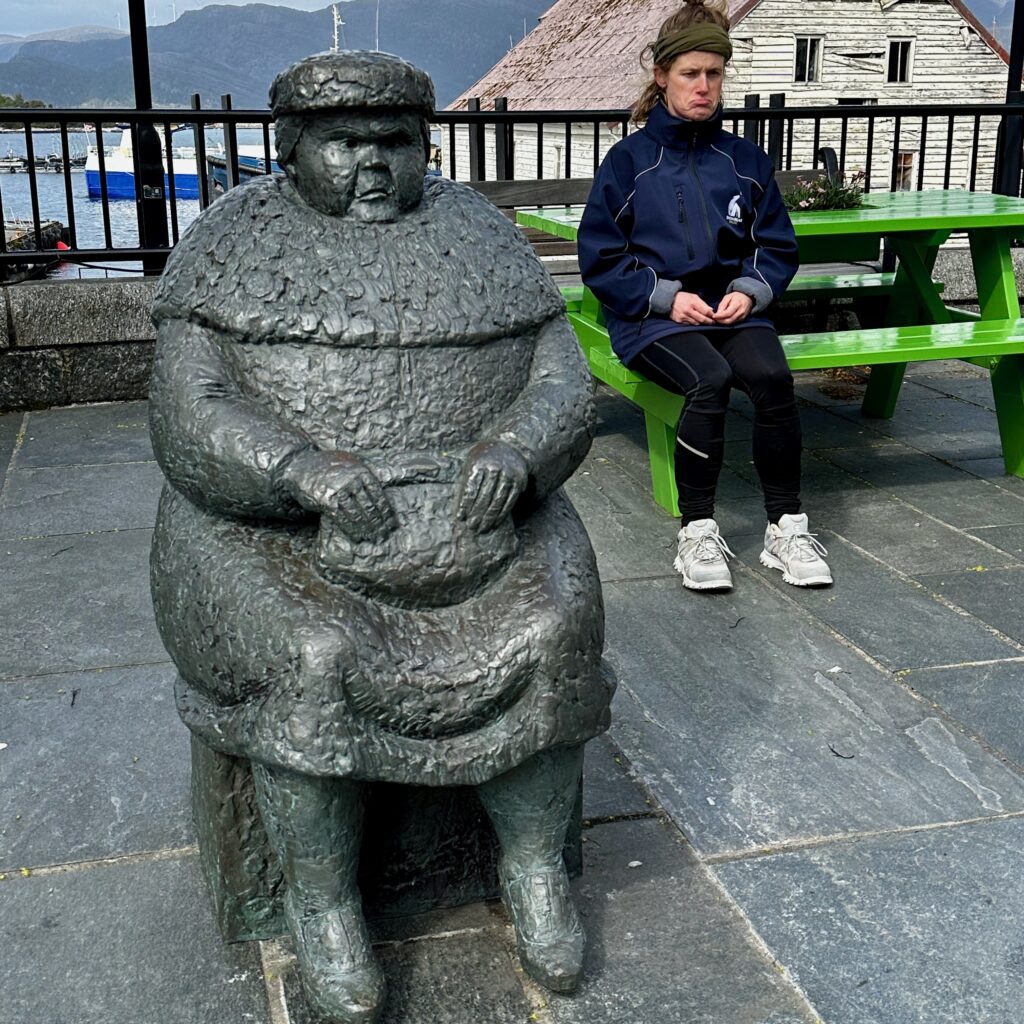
(16, 196)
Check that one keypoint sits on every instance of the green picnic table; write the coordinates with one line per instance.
(918, 324)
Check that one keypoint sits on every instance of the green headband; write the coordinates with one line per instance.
(706, 36)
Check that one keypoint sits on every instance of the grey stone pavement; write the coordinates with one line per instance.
(810, 806)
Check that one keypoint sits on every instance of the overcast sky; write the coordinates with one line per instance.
(25, 17)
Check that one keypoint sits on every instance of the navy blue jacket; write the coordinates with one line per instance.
(682, 205)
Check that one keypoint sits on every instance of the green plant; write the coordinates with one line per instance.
(825, 193)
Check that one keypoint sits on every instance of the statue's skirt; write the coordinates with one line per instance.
(279, 665)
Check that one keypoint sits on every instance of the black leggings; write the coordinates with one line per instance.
(704, 368)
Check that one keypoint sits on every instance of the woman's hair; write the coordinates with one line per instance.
(693, 12)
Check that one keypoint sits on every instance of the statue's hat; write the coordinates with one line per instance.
(351, 79)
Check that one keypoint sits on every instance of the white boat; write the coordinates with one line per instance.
(119, 167)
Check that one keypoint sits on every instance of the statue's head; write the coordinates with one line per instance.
(352, 132)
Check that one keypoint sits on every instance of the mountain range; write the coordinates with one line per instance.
(238, 49)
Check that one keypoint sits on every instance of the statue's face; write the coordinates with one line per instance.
(367, 165)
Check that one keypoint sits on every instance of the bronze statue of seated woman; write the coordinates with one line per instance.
(365, 400)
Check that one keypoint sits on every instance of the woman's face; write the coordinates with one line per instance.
(693, 84)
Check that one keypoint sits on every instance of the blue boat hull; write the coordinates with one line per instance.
(121, 185)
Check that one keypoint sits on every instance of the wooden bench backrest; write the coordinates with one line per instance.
(508, 195)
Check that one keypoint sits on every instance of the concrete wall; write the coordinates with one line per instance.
(65, 342)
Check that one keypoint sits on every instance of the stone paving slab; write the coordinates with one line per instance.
(945, 428)
(817, 388)
(87, 435)
(122, 944)
(746, 751)
(608, 790)
(993, 470)
(79, 499)
(71, 603)
(997, 596)
(911, 541)
(946, 492)
(974, 389)
(664, 946)
(987, 699)
(860, 605)
(632, 536)
(96, 765)
(916, 928)
(456, 979)
(822, 428)
(825, 488)
(1007, 538)
(10, 424)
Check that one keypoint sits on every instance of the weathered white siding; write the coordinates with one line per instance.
(581, 162)
(950, 64)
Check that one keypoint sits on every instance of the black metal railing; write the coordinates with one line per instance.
(973, 146)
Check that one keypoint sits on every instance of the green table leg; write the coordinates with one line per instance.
(883, 390)
(661, 446)
(1008, 390)
(993, 274)
(915, 299)
(998, 299)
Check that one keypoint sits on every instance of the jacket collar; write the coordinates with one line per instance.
(671, 131)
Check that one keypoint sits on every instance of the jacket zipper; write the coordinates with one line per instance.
(686, 227)
(703, 201)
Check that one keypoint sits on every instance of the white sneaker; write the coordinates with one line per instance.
(791, 548)
(701, 559)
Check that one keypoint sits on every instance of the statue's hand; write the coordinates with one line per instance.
(493, 477)
(342, 486)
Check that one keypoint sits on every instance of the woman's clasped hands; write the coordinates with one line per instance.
(688, 308)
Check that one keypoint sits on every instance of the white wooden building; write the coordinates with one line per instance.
(584, 55)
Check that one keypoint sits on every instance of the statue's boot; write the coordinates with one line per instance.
(549, 936)
(531, 808)
(315, 826)
(340, 975)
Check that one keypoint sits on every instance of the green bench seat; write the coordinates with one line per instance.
(999, 343)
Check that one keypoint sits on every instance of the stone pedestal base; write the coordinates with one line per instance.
(423, 848)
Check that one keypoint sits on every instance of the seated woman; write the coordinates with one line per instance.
(686, 243)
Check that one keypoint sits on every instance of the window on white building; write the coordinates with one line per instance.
(905, 171)
(808, 59)
(900, 59)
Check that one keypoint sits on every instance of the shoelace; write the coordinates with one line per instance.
(807, 545)
(711, 547)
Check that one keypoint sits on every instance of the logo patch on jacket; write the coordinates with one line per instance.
(734, 214)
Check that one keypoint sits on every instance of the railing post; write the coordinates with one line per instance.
(150, 202)
(230, 146)
(776, 101)
(1009, 146)
(752, 101)
(199, 139)
(476, 142)
(1011, 131)
(504, 169)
